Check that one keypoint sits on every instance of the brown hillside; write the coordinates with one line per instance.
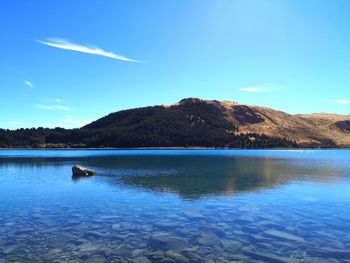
(305, 129)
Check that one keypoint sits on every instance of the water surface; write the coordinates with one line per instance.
(175, 206)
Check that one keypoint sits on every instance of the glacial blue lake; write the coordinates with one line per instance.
(175, 206)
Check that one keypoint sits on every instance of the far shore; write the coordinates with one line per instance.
(175, 148)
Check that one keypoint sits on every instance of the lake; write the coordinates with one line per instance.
(175, 206)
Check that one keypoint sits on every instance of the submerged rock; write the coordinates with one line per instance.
(178, 258)
(141, 260)
(137, 252)
(82, 171)
(208, 239)
(168, 242)
(283, 235)
(93, 234)
(269, 257)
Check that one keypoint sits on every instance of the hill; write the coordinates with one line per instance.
(194, 123)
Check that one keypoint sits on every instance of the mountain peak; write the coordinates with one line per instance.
(190, 101)
(215, 102)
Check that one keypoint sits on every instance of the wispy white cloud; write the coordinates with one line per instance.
(252, 89)
(57, 107)
(72, 122)
(261, 88)
(66, 44)
(69, 122)
(28, 83)
(16, 123)
(343, 102)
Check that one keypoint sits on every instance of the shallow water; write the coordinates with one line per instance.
(175, 206)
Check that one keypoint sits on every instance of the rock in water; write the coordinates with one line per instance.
(82, 171)
(167, 242)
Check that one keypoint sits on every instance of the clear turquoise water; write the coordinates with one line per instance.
(175, 206)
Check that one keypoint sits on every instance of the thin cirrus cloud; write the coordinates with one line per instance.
(252, 89)
(15, 122)
(261, 88)
(28, 84)
(52, 107)
(66, 44)
(343, 102)
(69, 122)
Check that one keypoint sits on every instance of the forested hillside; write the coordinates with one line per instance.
(191, 125)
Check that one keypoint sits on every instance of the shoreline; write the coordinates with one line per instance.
(175, 148)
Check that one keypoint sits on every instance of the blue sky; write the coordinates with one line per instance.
(65, 63)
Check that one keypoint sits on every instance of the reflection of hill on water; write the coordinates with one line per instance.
(199, 176)
(194, 176)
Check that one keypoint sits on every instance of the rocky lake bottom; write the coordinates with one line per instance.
(175, 206)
